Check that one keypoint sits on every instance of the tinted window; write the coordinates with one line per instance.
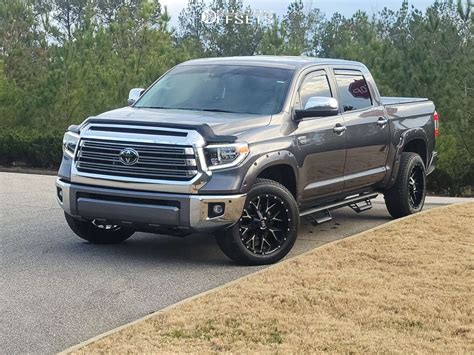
(314, 84)
(354, 91)
(240, 89)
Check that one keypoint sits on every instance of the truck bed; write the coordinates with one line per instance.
(394, 100)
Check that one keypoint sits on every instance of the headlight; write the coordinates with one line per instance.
(70, 141)
(221, 156)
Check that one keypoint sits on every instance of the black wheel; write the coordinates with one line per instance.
(267, 229)
(97, 232)
(407, 195)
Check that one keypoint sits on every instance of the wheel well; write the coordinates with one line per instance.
(281, 173)
(417, 146)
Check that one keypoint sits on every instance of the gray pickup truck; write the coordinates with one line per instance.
(242, 148)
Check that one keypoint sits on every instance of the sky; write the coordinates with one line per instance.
(345, 7)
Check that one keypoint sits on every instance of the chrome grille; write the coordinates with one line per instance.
(156, 161)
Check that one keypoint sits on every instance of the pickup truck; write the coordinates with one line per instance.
(241, 148)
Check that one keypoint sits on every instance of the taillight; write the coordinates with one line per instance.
(436, 123)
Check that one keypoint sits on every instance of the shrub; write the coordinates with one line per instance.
(31, 148)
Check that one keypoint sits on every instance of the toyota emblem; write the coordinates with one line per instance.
(129, 156)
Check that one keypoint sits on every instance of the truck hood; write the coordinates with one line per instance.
(222, 123)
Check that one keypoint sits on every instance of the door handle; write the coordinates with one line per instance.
(382, 121)
(339, 128)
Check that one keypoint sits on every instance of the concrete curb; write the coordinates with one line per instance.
(435, 200)
(189, 299)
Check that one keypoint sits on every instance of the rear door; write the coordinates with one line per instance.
(324, 151)
(367, 130)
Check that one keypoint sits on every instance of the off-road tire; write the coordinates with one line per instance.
(231, 242)
(398, 198)
(89, 231)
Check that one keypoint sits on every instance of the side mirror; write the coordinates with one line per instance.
(134, 95)
(318, 106)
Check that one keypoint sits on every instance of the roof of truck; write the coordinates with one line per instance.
(291, 62)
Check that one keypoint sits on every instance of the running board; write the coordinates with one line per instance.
(358, 208)
(351, 202)
(320, 217)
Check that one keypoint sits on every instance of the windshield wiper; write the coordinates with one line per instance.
(216, 110)
(188, 108)
(158, 107)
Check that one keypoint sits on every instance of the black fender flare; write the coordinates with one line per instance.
(405, 138)
(266, 160)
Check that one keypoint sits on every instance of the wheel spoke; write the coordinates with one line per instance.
(274, 217)
(246, 214)
(264, 241)
(249, 240)
(274, 236)
(269, 208)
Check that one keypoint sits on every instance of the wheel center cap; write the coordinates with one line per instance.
(263, 224)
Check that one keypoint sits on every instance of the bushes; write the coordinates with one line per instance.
(453, 173)
(31, 148)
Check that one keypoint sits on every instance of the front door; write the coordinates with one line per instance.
(367, 132)
(323, 149)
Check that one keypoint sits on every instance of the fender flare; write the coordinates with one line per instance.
(405, 138)
(278, 157)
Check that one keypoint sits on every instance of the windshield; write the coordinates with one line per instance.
(224, 88)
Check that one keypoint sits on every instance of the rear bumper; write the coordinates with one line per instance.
(180, 213)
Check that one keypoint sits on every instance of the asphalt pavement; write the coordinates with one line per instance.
(57, 290)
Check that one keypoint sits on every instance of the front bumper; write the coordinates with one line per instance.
(180, 213)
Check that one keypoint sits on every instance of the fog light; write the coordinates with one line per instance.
(216, 209)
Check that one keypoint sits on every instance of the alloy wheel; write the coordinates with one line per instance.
(416, 185)
(264, 224)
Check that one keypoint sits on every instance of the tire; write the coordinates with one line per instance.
(407, 195)
(274, 227)
(98, 233)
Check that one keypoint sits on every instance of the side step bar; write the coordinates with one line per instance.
(320, 217)
(356, 207)
(351, 202)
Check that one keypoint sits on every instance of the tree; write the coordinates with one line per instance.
(64, 60)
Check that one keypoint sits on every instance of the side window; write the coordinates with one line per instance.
(354, 91)
(314, 84)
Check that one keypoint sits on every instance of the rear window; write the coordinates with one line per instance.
(354, 92)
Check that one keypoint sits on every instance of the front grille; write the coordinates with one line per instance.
(156, 161)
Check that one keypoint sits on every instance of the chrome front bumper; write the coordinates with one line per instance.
(148, 210)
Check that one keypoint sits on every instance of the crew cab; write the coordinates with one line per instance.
(241, 148)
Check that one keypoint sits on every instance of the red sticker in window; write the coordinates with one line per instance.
(358, 88)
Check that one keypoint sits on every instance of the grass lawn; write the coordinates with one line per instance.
(404, 287)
